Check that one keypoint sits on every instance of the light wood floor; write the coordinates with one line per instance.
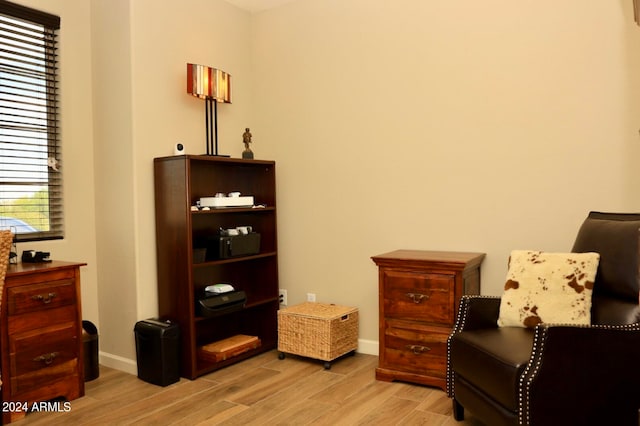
(262, 390)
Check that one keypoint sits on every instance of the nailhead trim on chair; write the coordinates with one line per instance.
(459, 325)
(461, 318)
(537, 353)
(539, 340)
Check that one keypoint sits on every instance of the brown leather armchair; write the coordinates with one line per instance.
(557, 374)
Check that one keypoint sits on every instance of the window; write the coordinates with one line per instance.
(30, 164)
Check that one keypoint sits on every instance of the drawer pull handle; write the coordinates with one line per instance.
(46, 358)
(417, 349)
(44, 299)
(417, 297)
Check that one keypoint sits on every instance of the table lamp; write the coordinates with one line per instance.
(212, 85)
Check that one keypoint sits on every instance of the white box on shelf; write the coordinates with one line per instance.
(226, 201)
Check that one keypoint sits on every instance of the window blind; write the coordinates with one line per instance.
(31, 201)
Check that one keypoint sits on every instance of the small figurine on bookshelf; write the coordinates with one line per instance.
(246, 138)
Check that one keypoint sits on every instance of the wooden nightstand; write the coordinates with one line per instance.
(419, 294)
(41, 336)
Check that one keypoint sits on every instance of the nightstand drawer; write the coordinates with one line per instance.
(42, 356)
(414, 348)
(419, 296)
(35, 297)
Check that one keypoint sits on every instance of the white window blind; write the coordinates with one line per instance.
(30, 164)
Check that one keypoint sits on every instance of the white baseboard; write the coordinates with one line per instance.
(369, 347)
(119, 363)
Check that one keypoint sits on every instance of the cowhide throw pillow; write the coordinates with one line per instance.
(548, 287)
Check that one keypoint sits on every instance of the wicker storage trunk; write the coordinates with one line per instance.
(318, 330)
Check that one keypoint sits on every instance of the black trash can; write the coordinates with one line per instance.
(90, 348)
(158, 351)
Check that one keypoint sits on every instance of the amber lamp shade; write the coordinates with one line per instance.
(212, 85)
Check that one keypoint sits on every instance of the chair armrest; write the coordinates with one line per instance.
(474, 312)
(477, 312)
(582, 375)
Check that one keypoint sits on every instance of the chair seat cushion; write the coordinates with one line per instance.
(493, 360)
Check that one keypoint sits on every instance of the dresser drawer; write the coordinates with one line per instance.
(415, 348)
(35, 297)
(18, 324)
(419, 296)
(42, 356)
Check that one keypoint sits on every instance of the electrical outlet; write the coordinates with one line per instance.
(282, 294)
(311, 297)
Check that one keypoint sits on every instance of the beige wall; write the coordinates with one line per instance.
(473, 126)
(408, 124)
(141, 86)
(115, 178)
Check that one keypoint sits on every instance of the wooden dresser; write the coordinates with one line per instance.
(419, 294)
(41, 336)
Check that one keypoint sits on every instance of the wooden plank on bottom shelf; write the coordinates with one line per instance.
(227, 348)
